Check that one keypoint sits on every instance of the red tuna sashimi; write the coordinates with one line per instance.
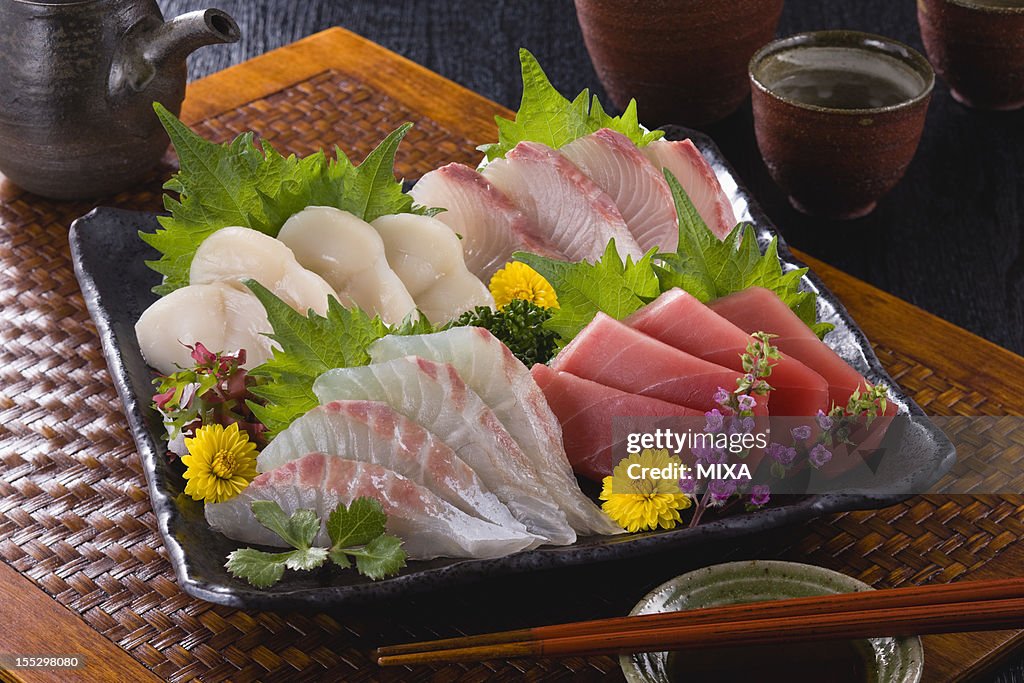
(492, 228)
(679, 319)
(574, 214)
(695, 174)
(638, 189)
(614, 354)
(586, 410)
(758, 309)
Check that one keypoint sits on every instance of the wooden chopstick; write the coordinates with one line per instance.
(966, 591)
(891, 621)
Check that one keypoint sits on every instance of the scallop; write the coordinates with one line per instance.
(349, 255)
(427, 256)
(235, 254)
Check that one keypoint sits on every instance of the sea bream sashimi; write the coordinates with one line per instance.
(577, 217)
(637, 187)
(680, 320)
(757, 308)
(614, 354)
(492, 228)
(506, 386)
(433, 395)
(587, 410)
(372, 431)
(428, 526)
(695, 175)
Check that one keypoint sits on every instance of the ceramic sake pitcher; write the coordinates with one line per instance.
(78, 79)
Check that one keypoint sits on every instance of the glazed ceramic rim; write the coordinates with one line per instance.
(634, 675)
(987, 9)
(854, 39)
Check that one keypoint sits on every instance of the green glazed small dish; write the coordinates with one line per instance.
(888, 660)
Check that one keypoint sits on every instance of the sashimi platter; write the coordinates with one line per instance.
(591, 346)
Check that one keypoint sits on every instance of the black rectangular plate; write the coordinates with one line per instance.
(109, 262)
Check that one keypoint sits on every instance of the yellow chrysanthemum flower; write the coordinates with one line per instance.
(519, 281)
(221, 463)
(646, 503)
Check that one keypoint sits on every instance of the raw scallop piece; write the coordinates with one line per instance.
(612, 353)
(349, 255)
(433, 395)
(757, 308)
(235, 254)
(569, 208)
(586, 410)
(223, 318)
(492, 228)
(506, 386)
(428, 526)
(427, 256)
(638, 189)
(371, 431)
(696, 176)
(680, 320)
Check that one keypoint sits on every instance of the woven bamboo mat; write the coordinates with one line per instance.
(75, 518)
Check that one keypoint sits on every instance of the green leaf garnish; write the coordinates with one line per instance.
(383, 556)
(547, 117)
(709, 268)
(298, 530)
(520, 325)
(242, 184)
(358, 524)
(260, 569)
(583, 288)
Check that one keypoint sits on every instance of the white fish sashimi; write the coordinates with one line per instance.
(235, 254)
(696, 176)
(433, 395)
(427, 256)
(492, 228)
(638, 189)
(223, 318)
(428, 526)
(349, 255)
(507, 387)
(372, 431)
(577, 217)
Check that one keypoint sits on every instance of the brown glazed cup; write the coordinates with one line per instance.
(977, 46)
(685, 61)
(837, 162)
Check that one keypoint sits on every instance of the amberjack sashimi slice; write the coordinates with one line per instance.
(587, 409)
(695, 175)
(428, 526)
(638, 189)
(680, 320)
(506, 386)
(575, 215)
(372, 431)
(614, 354)
(492, 228)
(433, 395)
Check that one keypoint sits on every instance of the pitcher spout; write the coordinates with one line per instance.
(174, 40)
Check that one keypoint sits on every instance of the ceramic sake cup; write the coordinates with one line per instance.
(683, 60)
(977, 47)
(837, 161)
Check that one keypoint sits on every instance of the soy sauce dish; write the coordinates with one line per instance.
(876, 660)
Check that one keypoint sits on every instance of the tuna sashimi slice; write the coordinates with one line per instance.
(434, 396)
(638, 189)
(586, 410)
(612, 353)
(372, 431)
(428, 526)
(506, 386)
(679, 319)
(696, 176)
(492, 228)
(761, 309)
(574, 214)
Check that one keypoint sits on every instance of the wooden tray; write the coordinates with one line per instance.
(81, 556)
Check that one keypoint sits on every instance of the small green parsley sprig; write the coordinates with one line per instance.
(519, 325)
(357, 534)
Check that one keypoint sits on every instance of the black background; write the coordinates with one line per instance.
(949, 238)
